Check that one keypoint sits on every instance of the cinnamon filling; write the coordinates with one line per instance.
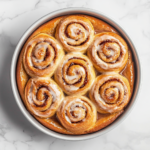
(86, 79)
(109, 48)
(45, 96)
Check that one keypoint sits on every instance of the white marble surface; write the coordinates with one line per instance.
(16, 133)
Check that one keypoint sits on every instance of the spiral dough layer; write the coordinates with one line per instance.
(110, 92)
(108, 52)
(75, 74)
(42, 55)
(77, 114)
(75, 33)
(42, 97)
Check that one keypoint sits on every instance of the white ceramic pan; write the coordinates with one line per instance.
(33, 28)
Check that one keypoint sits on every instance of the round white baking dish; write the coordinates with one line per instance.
(33, 28)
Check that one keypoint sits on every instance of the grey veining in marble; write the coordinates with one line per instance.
(16, 133)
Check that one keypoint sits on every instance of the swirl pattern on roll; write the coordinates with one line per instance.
(108, 52)
(75, 74)
(42, 55)
(43, 97)
(75, 33)
(110, 92)
(77, 114)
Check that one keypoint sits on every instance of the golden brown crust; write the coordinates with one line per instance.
(53, 123)
(103, 120)
(128, 72)
(21, 76)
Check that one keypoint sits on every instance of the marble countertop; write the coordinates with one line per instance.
(16, 133)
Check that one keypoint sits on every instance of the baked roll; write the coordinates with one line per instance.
(42, 97)
(75, 33)
(75, 74)
(77, 114)
(110, 93)
(42, 55)
(108, 52)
